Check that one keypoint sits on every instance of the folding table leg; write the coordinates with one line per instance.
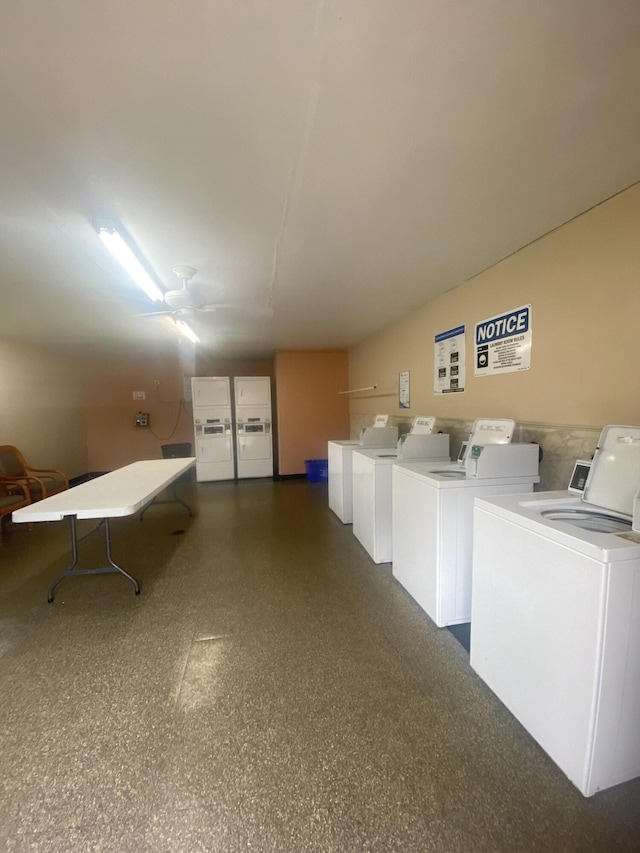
(71, 570)
(175, 499)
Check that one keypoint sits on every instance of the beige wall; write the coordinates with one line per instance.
(42, 407)
(208, 365)
(112, 438)
(309, 409)
(583, 284)
(582, 281)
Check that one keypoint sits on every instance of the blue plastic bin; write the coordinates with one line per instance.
(317, 470)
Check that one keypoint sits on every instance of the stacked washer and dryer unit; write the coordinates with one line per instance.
(213, 428)
(229, 447)
(254, 437)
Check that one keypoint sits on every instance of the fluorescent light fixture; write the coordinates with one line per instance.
(122, 253)
(187, 331)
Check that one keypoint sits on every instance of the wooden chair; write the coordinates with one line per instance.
(12, 496)
(40, 482)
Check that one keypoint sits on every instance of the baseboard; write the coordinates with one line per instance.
(280, 477)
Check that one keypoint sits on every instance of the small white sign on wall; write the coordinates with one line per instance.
(139, 395)
(404, 392)
(186, 387)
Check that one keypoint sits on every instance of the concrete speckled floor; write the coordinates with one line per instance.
(271, 689)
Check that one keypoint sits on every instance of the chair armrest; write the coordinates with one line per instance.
(12, 485)
(48, 471)
(24, 481)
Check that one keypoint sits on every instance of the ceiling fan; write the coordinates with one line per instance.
(183, 302)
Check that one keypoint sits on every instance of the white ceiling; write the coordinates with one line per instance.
(338, 162)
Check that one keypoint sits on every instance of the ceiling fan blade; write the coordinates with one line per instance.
(156, 314)
(238, 308)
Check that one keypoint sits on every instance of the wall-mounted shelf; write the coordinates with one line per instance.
(355, 390)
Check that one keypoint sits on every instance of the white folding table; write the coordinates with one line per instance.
(119, 493)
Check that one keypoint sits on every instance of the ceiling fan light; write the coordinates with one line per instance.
(186, 330)
(123, 254)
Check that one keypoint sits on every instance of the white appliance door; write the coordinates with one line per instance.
(214, 449)
(211, 391)
(253, 391)
(254, 447)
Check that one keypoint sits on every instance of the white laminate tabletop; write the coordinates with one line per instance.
(120, 492)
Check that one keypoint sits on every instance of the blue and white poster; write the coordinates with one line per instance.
(449, 362)
(503, 343)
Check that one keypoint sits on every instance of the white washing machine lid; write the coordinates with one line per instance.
(614, 477)
(564, 518)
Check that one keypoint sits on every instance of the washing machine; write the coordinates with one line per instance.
(432, 522)
(339, 455)
(372, 483)
(555, 622)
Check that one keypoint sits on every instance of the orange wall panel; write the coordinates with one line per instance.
(112, 438)
(310, 411)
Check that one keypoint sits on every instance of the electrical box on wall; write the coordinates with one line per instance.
(142, 419)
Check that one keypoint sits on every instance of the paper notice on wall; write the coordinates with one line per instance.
(404, 394)
(186, 387)
(449, 362)
(503, 343)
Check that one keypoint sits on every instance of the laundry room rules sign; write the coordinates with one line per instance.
(449, 362)
(503, 343)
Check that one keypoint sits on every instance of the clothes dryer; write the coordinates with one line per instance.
(555, 622)
(432, 522)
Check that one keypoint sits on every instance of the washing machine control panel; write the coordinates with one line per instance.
(502, 460)
(254, 426)
(211, 426)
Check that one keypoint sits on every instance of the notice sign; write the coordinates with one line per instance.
(449, 361)
(503, 343)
